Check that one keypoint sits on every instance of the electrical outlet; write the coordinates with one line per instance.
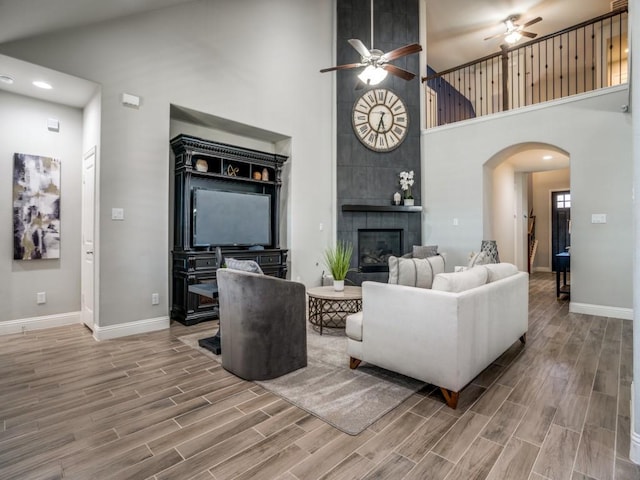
(41, 297)
(155, 299)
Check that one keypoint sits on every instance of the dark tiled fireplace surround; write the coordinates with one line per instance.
(366, 180)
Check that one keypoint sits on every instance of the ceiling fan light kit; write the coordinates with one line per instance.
(512, 37)
(372, 75)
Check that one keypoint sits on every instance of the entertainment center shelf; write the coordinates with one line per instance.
(236, 170)
(229, 195)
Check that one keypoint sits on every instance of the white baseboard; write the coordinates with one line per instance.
(130, 328)
(601, 310)
(37, 323)
(634, 450)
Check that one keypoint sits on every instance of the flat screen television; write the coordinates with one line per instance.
(223, 218)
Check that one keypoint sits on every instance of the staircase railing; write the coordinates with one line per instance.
(582, 58)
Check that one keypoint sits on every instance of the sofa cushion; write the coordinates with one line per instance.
(460, 281)
(498, 271)
(354, 326)
(424, 251)
(243, 265)
(415, 272)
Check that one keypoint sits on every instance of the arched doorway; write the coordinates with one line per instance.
(518, 184)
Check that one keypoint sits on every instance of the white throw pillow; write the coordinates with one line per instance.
(460, 281)
(479, 258)
(415, 272)
(498, 271)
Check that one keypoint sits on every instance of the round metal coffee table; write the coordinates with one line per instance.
(329, 309)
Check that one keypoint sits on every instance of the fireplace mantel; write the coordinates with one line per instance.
(381, 208)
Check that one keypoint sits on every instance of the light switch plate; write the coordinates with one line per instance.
(117, 214)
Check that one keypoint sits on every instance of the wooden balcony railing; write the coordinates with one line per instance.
(582, 58)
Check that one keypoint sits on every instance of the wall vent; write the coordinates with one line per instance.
(617, 4)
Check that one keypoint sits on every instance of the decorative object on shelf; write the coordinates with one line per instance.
(338, 260)
(232, 171)
(406, 182)
(36, 207)
(490, 248)
(202, 165)
(257, 176)
(265, 174)
(396, 198)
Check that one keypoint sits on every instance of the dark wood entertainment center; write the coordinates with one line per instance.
(205, 164)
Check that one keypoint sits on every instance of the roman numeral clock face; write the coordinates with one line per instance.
(380, 120)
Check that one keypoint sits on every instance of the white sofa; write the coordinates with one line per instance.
(444, 335)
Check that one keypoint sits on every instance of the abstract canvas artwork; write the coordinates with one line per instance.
(36, 207)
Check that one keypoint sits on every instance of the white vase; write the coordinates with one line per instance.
(338, 285)
(408, 202)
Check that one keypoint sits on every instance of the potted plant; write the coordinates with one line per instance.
(406, 182)
(338, 259)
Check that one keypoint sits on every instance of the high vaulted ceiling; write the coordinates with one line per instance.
(455, 28)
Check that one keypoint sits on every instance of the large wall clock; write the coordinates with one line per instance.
(380, 120)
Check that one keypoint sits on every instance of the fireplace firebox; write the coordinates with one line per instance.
(375, 246)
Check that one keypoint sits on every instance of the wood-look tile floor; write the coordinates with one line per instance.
(150, 407)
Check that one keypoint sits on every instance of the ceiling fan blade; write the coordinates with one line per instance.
(401, 52)
(342, 67)
(531, 22)
(495, 36)
(359, 46)
(398, 72)
(528, 34)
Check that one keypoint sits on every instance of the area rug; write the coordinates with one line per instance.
(350, 400)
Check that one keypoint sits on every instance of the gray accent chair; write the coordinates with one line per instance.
(262, 324)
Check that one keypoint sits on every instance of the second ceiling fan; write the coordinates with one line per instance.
(515, 32)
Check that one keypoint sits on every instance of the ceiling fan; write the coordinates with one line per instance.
(376, 62)
(515, 32)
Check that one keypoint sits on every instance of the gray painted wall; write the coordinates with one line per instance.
(597, 136)
(252, 62)
(24, 130)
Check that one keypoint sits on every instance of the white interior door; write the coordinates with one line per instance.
(87, 284)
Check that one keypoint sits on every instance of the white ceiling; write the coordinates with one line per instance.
(67, 89)
(455, 35)
(26, 18)
(455, 28)
(455, 39)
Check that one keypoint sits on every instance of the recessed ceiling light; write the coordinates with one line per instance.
(6, 79)
(547, 157)
(41, 84)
